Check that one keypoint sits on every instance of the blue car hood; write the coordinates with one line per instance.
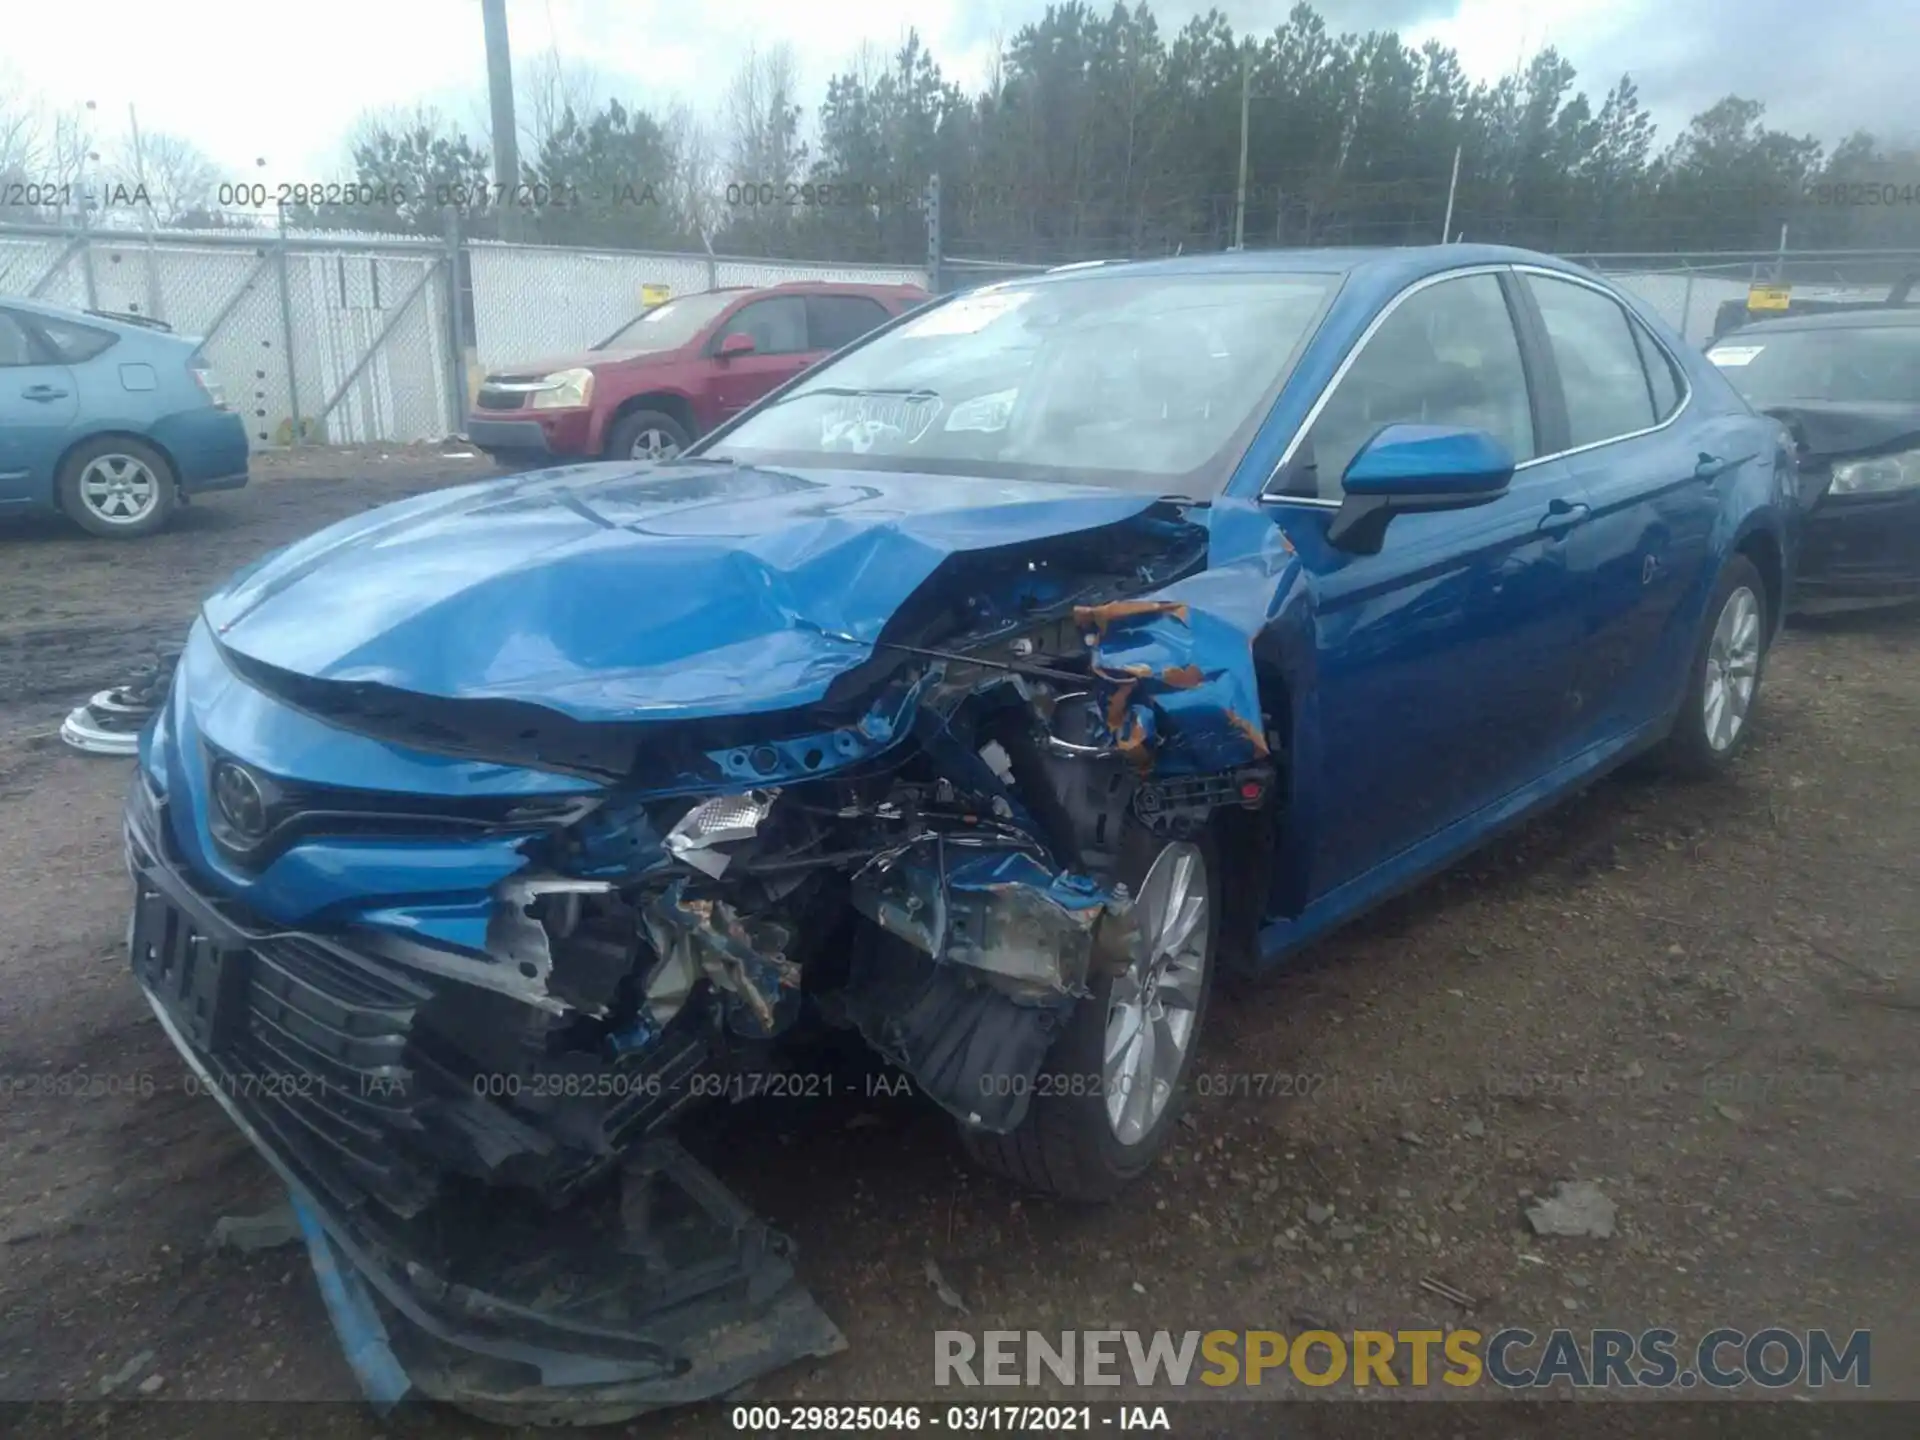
(612, 593)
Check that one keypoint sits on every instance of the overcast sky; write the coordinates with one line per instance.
(243, 83)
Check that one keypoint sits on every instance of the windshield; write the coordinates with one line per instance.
(1147, 382)
(1860, 365)
(669, 326)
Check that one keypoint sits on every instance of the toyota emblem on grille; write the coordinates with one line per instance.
(243, 805)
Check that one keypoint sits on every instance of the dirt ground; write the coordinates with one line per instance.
(1703, 998)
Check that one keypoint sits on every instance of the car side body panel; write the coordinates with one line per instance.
(691, 382)
(139, 386)
(1611, 620)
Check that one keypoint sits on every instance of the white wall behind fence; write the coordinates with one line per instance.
(384, 303)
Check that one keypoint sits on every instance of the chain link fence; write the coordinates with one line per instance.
(1696, 294)
(1699, 294)
(368, 338)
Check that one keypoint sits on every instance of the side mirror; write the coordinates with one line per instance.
(737, 344)
(1408, 469)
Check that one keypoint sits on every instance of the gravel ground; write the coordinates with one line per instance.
(1701, 998)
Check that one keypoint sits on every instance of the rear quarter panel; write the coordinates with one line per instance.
(143, 387)
(1759, 497)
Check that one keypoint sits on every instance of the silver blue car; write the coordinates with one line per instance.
(113, 420)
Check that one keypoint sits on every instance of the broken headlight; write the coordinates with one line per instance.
(1880, 475)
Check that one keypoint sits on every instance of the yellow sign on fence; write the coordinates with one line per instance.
(1769, 297)
(652, 295)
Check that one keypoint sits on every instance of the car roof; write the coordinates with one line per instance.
(1386, 265)
(850, 287)
(1866, 318)
(93, 318)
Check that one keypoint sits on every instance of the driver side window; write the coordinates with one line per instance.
(778, 326)
(1446, 356)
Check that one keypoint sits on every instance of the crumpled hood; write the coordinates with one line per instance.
(1831, 428)
(615, 593)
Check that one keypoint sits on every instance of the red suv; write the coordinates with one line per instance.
(675, 372)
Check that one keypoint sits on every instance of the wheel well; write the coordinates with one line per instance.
(60, 465)
(1763, 549)
(674, 406)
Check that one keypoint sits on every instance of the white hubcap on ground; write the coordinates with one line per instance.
(652, 444)
(1150, 1013)
(1733, 668)
(118, 489)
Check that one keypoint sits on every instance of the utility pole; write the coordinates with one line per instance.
(1240, 196)
(1446, 226)
(506, 148)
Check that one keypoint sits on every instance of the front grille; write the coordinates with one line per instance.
(321, 1060)
(489, 399)
(359, 1074)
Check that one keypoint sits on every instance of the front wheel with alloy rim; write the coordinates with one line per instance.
(647, 435)
(117, 487)
(1109, 1092)
(1723, 686)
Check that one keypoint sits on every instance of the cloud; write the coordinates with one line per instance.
(1820, 69)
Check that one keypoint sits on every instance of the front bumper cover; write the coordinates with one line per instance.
(658, 1290)
(1860, 548)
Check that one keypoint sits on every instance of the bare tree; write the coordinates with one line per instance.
(177, 175)
(22, 133)
(72, 158)
(694, 188)
(762, 117)
(547, 89)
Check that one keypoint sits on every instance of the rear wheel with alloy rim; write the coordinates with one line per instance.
(1110, 1090)
(117, 486)
(647, 435)
(1724, 683)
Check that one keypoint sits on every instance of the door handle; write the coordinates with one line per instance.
(1711, 467)
(42, 392)
(1562, 516)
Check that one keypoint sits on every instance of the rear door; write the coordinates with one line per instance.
(1650, 477)
(39, 406)
(782, 348)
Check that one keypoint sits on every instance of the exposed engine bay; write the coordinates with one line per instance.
(949, 893)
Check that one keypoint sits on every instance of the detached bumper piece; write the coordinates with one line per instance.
(651, 1286)
(110, 723)
(677, 1294)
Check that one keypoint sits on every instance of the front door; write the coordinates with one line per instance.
(781, 350)
(39, 402)
(1442, 662)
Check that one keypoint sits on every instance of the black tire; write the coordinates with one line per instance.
(1690, 748)
(628, 430)
(117, 460)
(1066, 1146)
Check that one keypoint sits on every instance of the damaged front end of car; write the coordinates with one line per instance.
(464, 1002)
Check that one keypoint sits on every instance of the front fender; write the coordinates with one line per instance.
(1178, 671)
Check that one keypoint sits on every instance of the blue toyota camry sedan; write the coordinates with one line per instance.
(980, 693)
